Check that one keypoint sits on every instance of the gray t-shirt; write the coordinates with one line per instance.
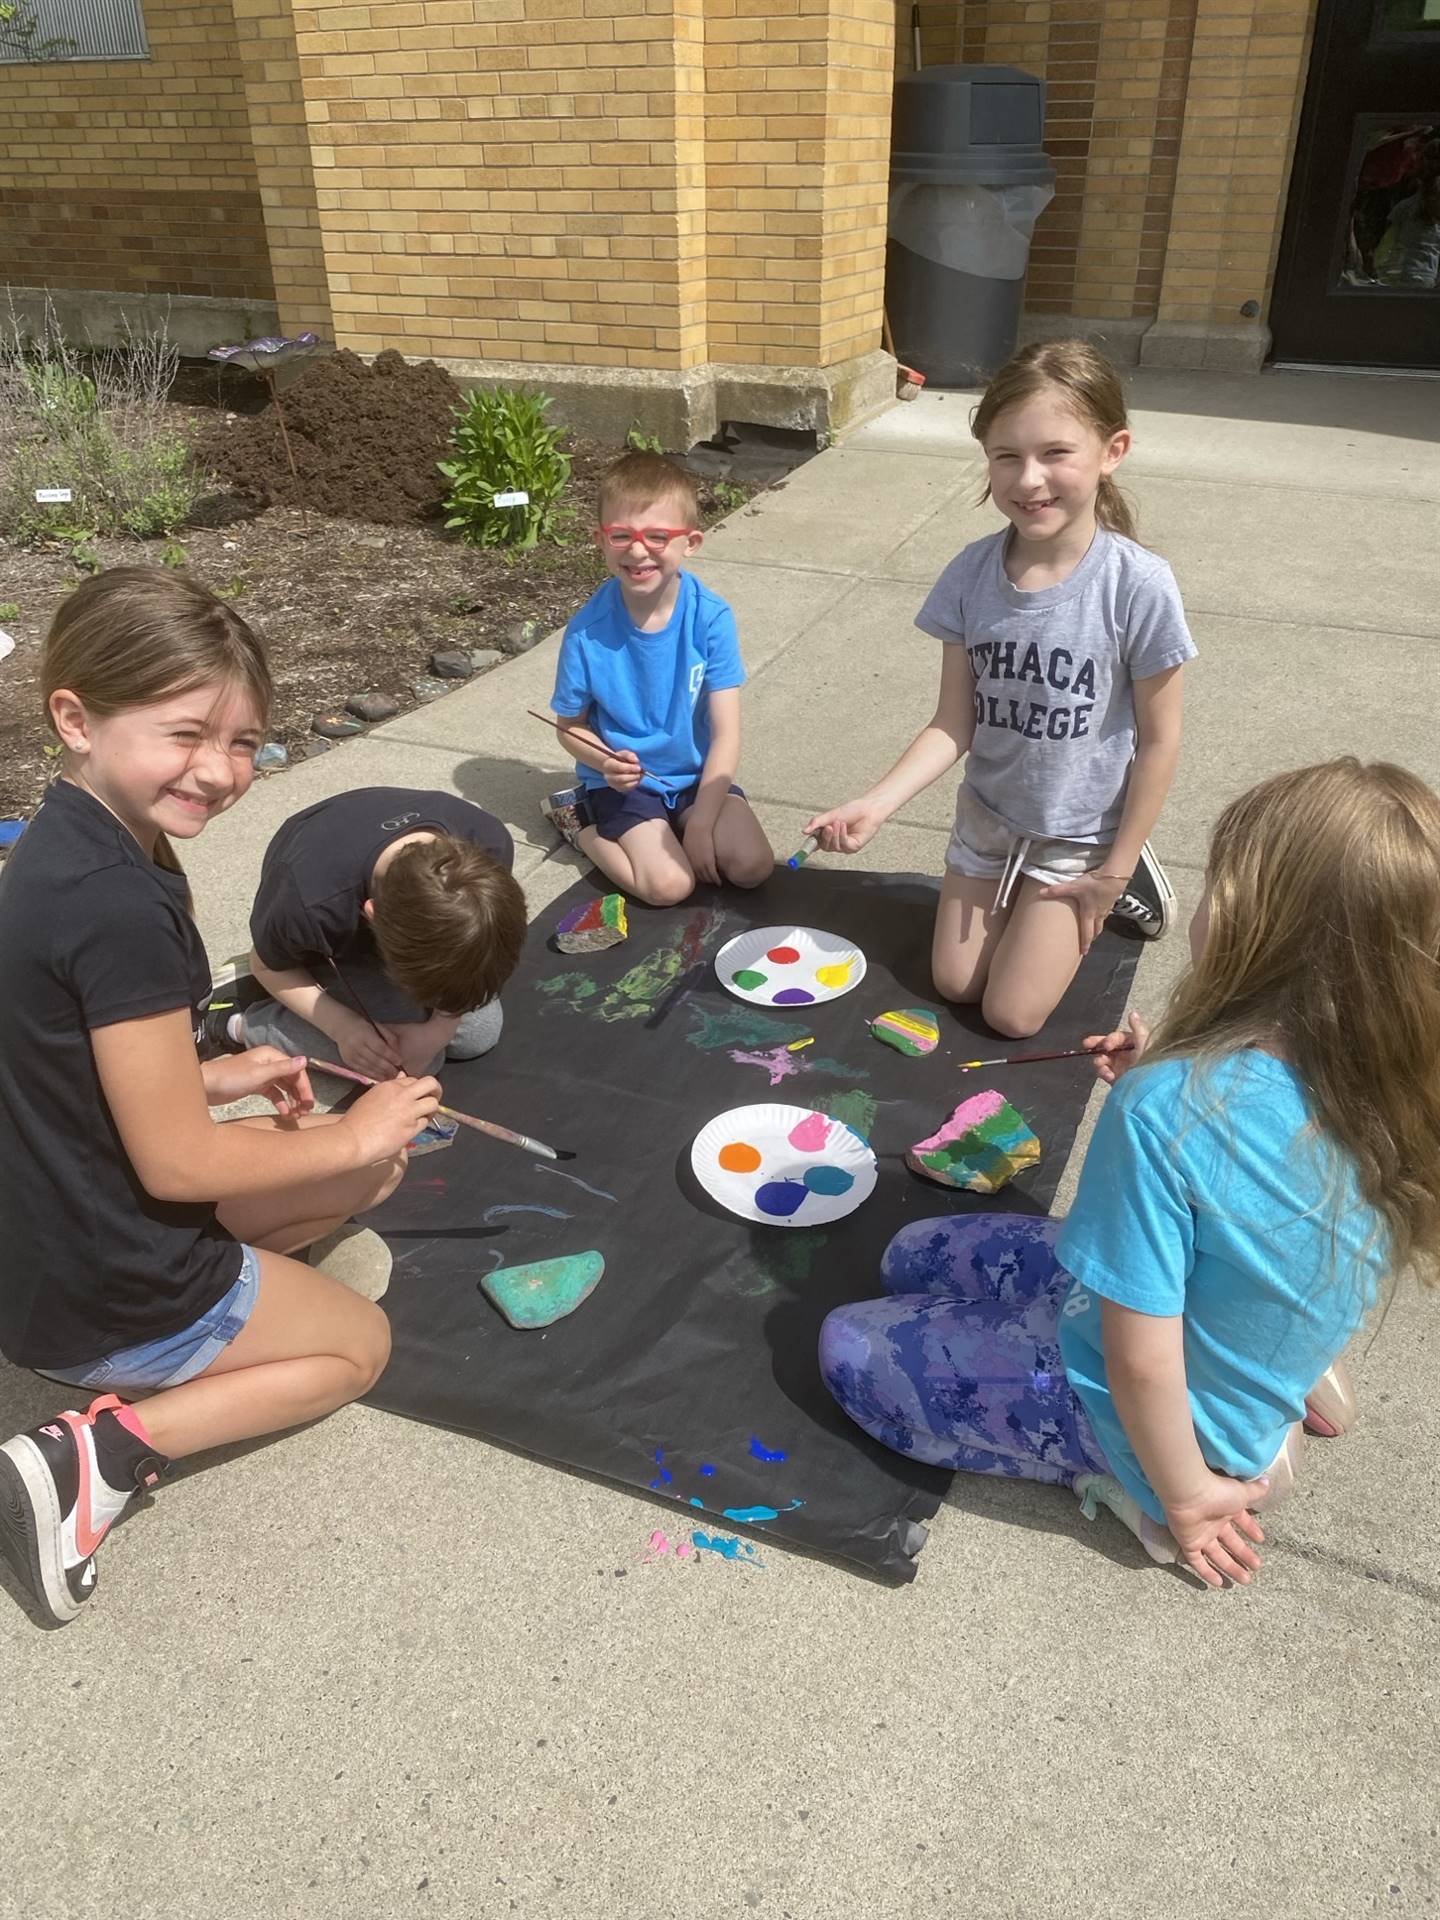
(1054, 711)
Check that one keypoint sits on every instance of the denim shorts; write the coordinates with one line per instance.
(179, 1356)
(613, 814)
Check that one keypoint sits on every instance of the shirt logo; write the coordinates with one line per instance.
(400, 820)
(697, 680)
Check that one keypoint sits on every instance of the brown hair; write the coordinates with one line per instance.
(133, 636)
(1083, 381)
(640, 479)
(449, 923)
(1324, 946)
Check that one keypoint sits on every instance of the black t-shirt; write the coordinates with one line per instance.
(91, 933)
(316, 878)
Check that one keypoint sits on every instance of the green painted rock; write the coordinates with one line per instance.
(545, 1290)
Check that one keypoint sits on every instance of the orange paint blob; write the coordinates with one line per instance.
(739, 1157)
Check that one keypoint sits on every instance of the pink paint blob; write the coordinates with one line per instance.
(811, 1133)
(658, 1542)
(778, 1062)
(684, 1550)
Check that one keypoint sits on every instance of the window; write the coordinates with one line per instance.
(86, 29)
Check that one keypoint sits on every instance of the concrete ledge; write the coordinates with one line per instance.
(691, 404)
(1119, 340)
(1190, 348)
(193, 322)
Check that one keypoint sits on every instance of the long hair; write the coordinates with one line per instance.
(136, 635)
(1324, 946)
(1083, 381)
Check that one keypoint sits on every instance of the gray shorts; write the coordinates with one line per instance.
(985, 847)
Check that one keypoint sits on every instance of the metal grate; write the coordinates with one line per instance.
(99, 29)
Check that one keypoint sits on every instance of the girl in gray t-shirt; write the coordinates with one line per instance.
(1060, 686)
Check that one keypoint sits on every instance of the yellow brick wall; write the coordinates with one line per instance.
(135, 175)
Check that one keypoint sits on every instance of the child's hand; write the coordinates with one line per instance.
(1110, 1065)
(281, 1077)
(622, 771)
(387, 1118)
(361, 1047)
(847, 829)
(1092, 895)
(1214, 1530)
(699, 844)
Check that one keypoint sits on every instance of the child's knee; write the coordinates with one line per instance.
(370, 1349)
(1012, 1013)
(956, 979)
(666, 888)
(385, 1178)
(751, 868)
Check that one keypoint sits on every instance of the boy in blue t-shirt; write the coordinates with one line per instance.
(648, 694)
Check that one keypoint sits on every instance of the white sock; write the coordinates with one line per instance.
(235, 1028)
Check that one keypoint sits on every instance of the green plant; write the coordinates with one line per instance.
(727, 496)
(9, 609)
(504, 446)
(172, 554)
(233, 588)
(20, 35)
(638, 441)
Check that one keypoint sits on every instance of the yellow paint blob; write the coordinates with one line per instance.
(739, 1157)
(837, 975)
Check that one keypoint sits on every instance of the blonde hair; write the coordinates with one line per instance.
(449, 923)
(136, 635)
(639, 479)
(1324, 947)
(1085, 383)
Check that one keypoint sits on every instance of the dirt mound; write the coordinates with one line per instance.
(365, 438)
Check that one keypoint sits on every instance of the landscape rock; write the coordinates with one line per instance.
(271, 757)
(372, 706)
(336, 726)
(483, 658)
(428, 688)
(313, 748)
(452, 663)
(523, 635)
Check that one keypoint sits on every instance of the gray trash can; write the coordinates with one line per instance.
(968, 180)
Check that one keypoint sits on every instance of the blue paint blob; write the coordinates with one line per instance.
(706, 1472)
(748, 1516)
(780, 1198)
(697, 1503)
(760, 1451)
(727, 1549)
(828, 1180)
(793, 997)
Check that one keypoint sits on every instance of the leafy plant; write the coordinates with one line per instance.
(20, 35)
(502, 446)
(9, 610)
(233, 588)
(172, 554)
(638, 441)
(727, 496)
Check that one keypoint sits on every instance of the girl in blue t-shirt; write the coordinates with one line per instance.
(1251, 1184)
(148, 1249)
(1064, 647)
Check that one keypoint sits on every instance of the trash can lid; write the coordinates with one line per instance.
(969, 125)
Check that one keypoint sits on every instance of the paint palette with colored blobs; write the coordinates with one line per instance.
(783, 1166)
(789, 966)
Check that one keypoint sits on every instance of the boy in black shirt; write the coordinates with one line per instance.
(385, 924)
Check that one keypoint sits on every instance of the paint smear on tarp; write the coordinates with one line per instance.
(752, 1516)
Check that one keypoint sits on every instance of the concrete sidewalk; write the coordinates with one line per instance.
(381, 1669)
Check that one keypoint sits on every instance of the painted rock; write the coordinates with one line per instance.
(544, 1291)
(984, 1143)
(593, 927)
(909, 1030)
(437, 1132)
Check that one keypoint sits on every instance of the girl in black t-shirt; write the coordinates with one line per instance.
(146, 1246)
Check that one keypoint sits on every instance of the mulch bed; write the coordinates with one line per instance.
(353, 582)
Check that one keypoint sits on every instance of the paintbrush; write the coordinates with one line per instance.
(586, 734)
(507, 1134)
(1028, 1059)
(797, 860)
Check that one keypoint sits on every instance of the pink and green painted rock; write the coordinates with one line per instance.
(984, 1143)
(544, 1291)
(912, 1031)
(594, 927)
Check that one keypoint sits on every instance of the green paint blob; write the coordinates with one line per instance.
(853, 1109)
(749, 979)
(738, 1028)
(568, 989)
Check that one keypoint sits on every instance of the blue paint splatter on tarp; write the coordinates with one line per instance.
(541, 1166)
(665, 1474)
(697, 1503)
(740, 1551)
(749, 1516)
(554, 1213)
(760, 1451)
(707, 1472)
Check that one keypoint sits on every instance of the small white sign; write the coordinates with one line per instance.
(54, 496)
(511, 500)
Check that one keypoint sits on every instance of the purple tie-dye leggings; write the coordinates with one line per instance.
(960, 1363)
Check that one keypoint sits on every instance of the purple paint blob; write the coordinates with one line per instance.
(829, 1180)
(780, 1198)
(793, 997)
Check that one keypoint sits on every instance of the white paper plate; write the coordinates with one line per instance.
(783, 1166)
(823, 966)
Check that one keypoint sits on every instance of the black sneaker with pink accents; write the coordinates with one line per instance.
(62, 1487)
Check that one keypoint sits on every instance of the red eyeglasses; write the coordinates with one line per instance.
(655, 538)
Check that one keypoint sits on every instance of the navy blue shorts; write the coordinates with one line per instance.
(613, 814)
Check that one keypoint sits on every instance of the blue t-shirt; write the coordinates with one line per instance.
(1208, 1193)
(645, 691)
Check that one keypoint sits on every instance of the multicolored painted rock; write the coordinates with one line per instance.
(594, 927)
(544, 1291)
(436, 1133)
(984, 1143)
(912, 1031)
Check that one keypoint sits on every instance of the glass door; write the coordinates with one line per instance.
(1358, 279)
